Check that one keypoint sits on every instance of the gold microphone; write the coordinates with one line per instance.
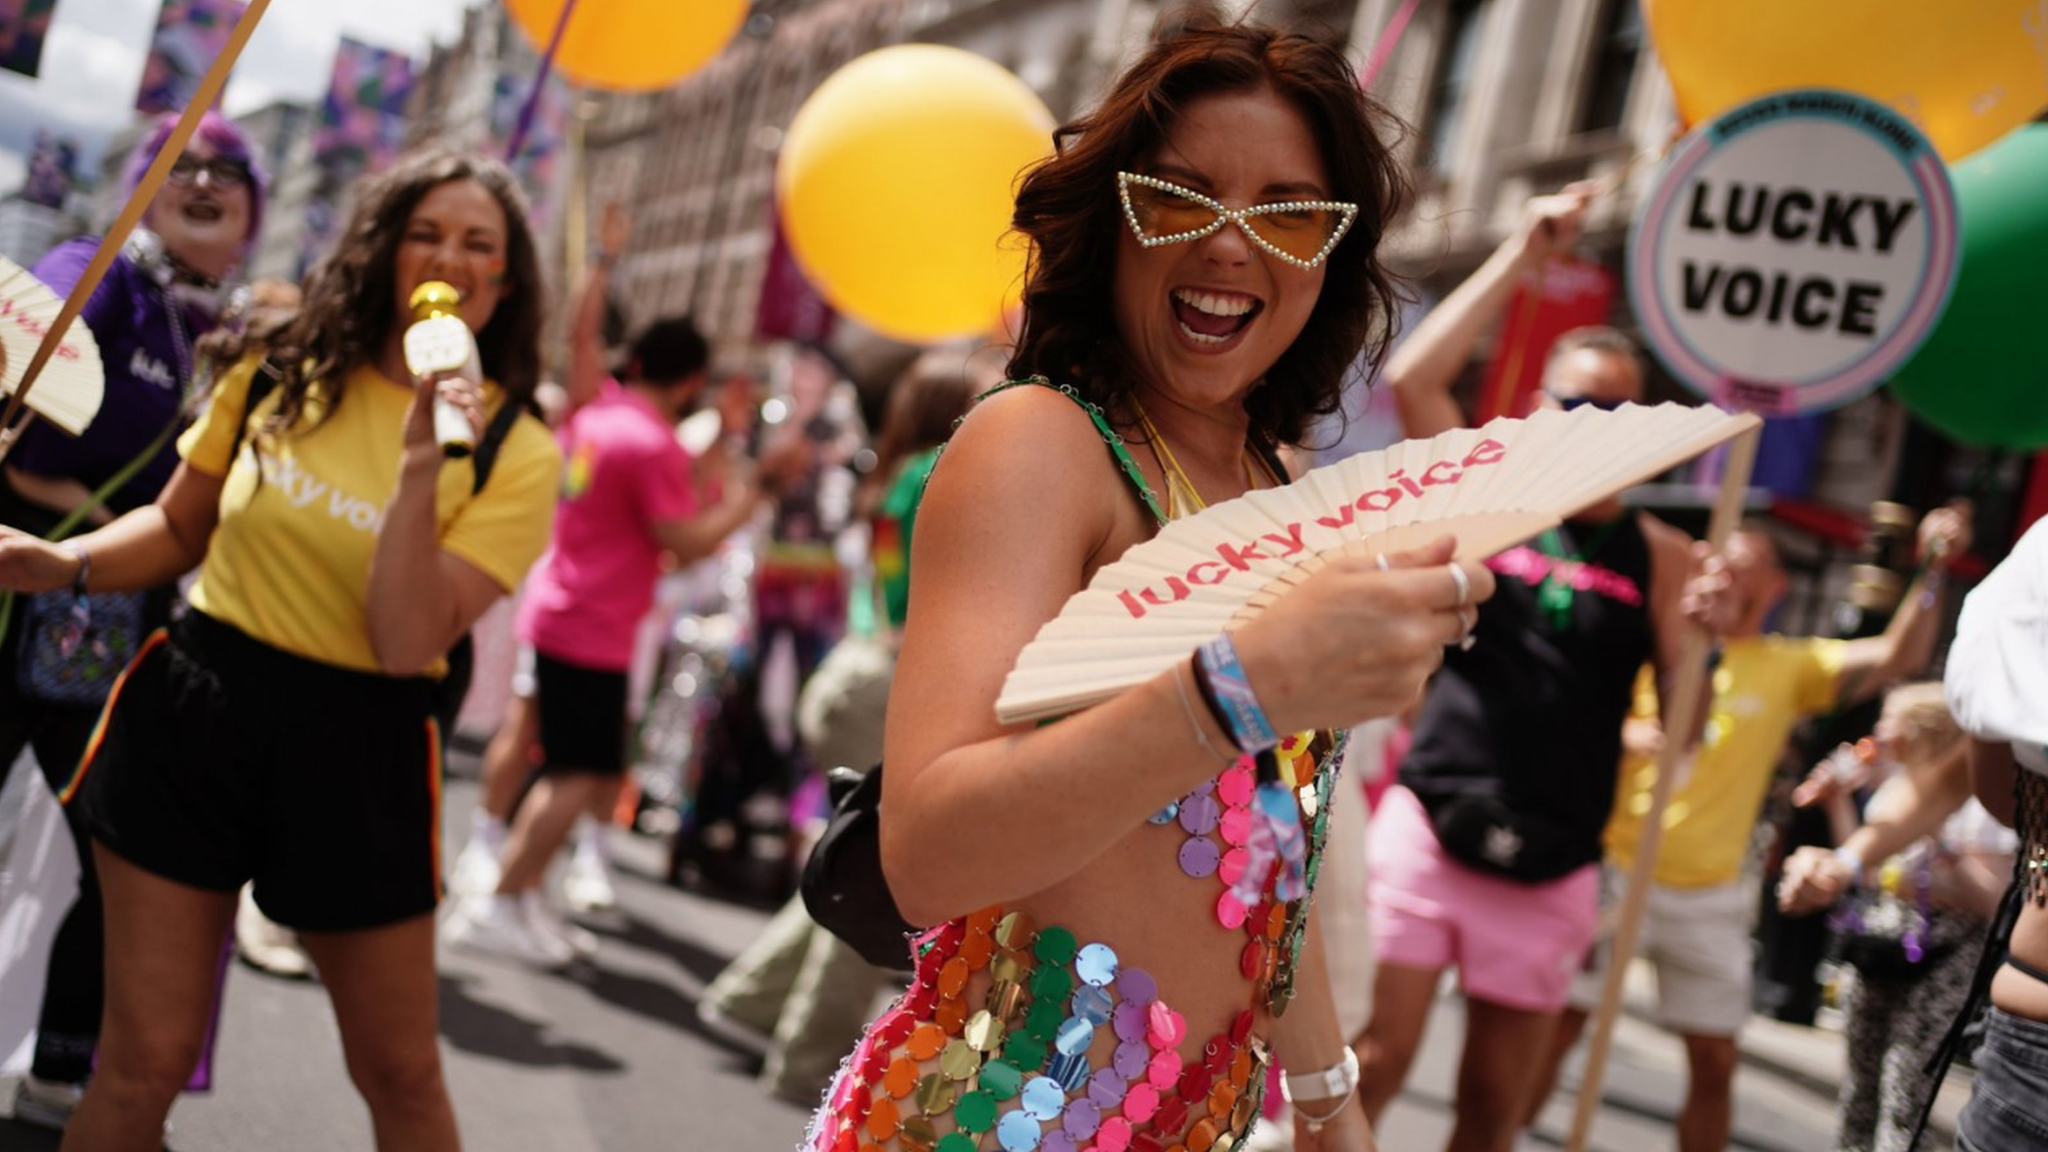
(438, 341)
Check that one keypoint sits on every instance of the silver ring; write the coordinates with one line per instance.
(1468, 623)
(1381, 560)
(1464, 584)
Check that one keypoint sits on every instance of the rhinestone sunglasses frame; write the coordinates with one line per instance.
(1238, 216)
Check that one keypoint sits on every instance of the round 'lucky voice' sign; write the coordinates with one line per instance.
(1794, 252)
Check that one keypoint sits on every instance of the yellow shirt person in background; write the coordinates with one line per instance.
(283, 731)
(1697, 925)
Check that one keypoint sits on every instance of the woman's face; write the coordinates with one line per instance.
(457, 234)
(202, 212)
(1206, 318)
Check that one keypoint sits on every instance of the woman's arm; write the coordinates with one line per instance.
(152, 545)
(1991, 777)
(1307, 1040)
(1910, 805)
(1011, 525)
(421, 599)
(56, 494)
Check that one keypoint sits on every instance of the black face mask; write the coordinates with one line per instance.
(1584, 401)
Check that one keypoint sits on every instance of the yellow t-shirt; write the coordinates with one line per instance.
(290, 561)
(1763, 686)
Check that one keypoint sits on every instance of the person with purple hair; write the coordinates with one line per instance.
(169, 287)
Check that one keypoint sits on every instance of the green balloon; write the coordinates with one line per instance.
(1982, 375)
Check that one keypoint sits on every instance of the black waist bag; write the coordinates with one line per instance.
(1478, 829)
(843, 886)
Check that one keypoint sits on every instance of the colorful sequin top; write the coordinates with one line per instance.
(1019, 1036)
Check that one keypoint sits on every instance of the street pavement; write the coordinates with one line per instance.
(610, 1057)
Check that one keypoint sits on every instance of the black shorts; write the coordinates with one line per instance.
(221, 760)
(582, 716)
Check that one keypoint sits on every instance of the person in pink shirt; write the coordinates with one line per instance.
(627, 498)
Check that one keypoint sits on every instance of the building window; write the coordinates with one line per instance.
(1449, 109)
(1612, 66)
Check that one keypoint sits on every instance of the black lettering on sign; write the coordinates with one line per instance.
(1859, 307)
(1744, 293)
(1844, 220)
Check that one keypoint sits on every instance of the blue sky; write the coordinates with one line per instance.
(92, 62)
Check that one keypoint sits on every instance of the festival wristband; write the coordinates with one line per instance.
(84, 567)
(1243, 717)
(1853, 863)
(1339, 1079)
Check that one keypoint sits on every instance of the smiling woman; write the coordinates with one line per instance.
(1120, 900)
(283, 731)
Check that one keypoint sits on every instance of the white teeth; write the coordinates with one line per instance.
(1200, 337)
(1213, 303)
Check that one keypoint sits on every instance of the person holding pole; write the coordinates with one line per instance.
(169, 288)
(284, 730)
(1697, 926)
(1486, 856)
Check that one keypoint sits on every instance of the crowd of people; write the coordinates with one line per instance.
(1115, 947)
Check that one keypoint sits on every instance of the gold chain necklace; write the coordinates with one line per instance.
(1175, 475)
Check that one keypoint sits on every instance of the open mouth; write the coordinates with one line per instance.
(203, 211)
(1209, 319)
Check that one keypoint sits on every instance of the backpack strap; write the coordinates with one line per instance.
(485, 457)
(1124, 462)
(268, 375)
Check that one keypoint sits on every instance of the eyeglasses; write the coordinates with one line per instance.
(220, 171)
(1301, 232)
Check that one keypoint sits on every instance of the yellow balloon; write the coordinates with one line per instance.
(897, 180)
(1965, 71)
(631, 44)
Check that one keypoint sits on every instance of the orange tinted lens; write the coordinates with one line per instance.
(1162, 213)
(1299, 232)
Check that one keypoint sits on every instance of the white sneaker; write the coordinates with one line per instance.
(476, 869)
(587, 883)
(494, 926)
(545, 921)
(266, 945)
(46, 1103)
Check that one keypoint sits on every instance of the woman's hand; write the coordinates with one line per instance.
(33, 564)
(1347, 1131)
(1355, 641)
(1551, 224)
(1814, 878)
(466, 395)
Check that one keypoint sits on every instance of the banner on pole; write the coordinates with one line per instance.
(1569, 293)
(23, 26)
(189, 36)
(1795, 252)
(790, 308)
(361, 129)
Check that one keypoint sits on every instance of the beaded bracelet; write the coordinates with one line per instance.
(1245, 719)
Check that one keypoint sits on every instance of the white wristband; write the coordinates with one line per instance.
(1340, 1079)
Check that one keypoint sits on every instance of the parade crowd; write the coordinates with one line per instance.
(241, 606)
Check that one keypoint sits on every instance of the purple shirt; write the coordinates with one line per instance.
(146, 371)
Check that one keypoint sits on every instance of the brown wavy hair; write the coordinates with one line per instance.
(347, 314)
(1067, 207)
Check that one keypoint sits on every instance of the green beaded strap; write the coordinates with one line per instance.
(1109, 437)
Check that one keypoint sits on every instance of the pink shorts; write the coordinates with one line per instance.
(1515, 944)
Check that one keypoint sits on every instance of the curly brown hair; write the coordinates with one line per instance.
(348, 312)
(1068, 208)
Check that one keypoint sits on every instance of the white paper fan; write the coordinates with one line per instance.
(67, 392)
(1492, 487)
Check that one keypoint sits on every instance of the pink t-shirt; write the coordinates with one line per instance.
(622, 473)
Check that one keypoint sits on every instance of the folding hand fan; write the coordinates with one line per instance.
(1492, 487)
(68, 391)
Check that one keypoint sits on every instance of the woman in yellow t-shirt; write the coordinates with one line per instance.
(282, 731)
